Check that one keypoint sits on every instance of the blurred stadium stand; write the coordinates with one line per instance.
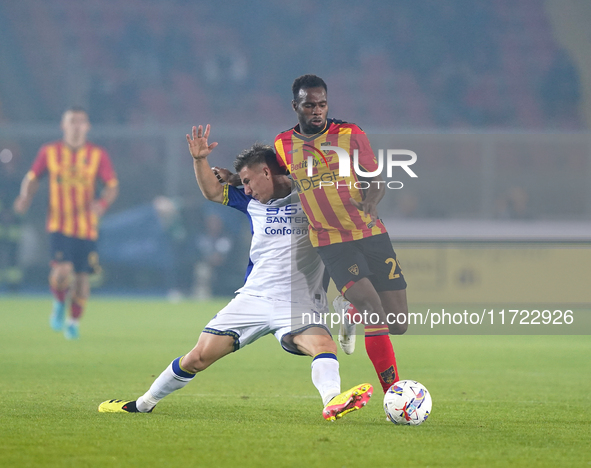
(446, 64)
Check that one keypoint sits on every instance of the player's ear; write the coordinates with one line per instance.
(294, 104)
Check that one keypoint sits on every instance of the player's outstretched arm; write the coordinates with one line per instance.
(206, 178)
(29, 187)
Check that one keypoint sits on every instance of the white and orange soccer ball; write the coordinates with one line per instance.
(407, 402)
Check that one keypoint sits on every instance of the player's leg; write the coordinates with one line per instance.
(86, 262)
(348, 266)
(80, 294)
(209, 349)
(377, 340)
(349, 318)
(179, 373)
(389, 281)
(60, 278)
(396, 307)
(318, 343)
(312, 341)
(390, 285)
(235, 326)
(364, 297)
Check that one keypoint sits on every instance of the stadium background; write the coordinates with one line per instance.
(494, 97)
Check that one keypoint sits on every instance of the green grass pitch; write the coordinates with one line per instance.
(497, 400)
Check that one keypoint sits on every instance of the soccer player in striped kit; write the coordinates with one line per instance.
(344, 226)
(73, 166)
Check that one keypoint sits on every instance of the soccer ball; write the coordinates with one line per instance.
(407, 402)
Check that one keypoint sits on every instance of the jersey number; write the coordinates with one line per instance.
(392, 274)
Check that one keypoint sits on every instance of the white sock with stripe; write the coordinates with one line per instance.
(326, 377)
(172, 378)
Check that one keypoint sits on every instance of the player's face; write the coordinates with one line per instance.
(311, 106)
(258, 182)
(75, 126)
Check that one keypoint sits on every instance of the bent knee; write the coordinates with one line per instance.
(327, 346)
(398, 328)
(62, 274)
(194, 363)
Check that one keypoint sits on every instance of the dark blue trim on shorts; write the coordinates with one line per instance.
(300, 330)
(231, 333)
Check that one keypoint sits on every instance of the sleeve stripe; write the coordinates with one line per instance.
(226, 197)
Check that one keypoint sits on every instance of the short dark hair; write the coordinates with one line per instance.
(305, 82)
(257, 154)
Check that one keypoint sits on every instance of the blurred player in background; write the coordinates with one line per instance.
(278, 291)
(344, 226)
(73, 166)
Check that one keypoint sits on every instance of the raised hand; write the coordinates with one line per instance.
(198, 146)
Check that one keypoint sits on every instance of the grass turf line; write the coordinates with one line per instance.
(497, 400)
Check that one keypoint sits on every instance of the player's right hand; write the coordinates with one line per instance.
(21, 205)
(198, 146)
(369, 207)
(225, 176)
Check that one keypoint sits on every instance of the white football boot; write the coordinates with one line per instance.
(347, 327)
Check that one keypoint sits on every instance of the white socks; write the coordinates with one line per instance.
(325, 376)
(172, 378)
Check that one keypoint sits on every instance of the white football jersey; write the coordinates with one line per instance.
(283, 264)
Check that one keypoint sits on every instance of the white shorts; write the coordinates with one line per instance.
(247, 318)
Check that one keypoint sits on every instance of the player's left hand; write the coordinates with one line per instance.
(99, 208)
(21, 205)
(198, 146)
(369, 208)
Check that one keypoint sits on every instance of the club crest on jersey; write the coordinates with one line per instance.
(325, 143)
(354, 269)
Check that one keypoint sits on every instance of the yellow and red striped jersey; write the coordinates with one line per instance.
(72, 177)
(332, 217)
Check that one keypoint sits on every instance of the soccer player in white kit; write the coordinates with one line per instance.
(282, 293)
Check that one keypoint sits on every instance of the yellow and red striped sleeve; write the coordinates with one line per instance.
(39, 166)
(281, 153)
(106, 171)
